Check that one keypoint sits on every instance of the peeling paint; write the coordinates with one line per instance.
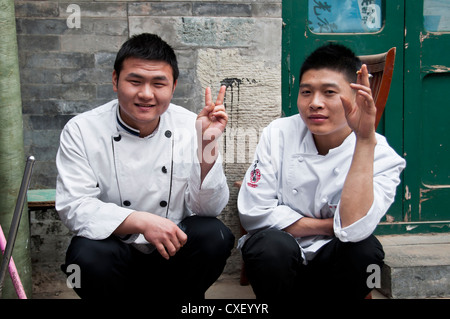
(423, 199)
(411, 227)
(407, 216)
(407, 193)
(441, 186)
(423, 36)
(439, 68)
(440, 226)
(426, 193)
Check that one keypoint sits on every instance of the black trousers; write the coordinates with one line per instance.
(276, 271)
(113, 269)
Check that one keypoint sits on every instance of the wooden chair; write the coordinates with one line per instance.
(381, 66)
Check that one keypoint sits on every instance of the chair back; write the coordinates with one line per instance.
(381, 66)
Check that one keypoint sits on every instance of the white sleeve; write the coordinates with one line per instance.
(210, 197)
(258, 202)
(77, 193)
(387, 169)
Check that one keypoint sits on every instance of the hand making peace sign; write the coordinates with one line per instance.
(210, 125)
(213, 117)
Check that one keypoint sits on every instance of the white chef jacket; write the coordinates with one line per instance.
(106, 172)
(289, 180)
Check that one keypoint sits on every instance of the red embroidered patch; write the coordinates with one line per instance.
(255, 176)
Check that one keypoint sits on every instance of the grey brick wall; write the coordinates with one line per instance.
(65, 71)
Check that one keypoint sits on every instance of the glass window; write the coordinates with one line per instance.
(344, 16)
(436, 15)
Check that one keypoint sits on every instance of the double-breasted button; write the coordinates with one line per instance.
(300, 158)
(117, 138)
(164, 170)
(168, 133)
(126, 203)
(163, 203)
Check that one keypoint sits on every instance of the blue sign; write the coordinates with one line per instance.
(344, 16)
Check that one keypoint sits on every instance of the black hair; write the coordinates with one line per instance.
(147, 46)
(335, 57)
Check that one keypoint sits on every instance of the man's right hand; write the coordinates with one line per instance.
(161, 232)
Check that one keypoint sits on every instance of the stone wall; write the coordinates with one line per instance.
(67, 49)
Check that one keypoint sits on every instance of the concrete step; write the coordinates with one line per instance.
(416, 266)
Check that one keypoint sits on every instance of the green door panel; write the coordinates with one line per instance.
(426, 122)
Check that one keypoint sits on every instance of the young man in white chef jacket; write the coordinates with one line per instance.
(140, 182)
(319, 184)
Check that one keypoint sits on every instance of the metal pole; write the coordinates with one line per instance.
(16, 220)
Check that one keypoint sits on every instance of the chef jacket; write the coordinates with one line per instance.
(106, 172)
(289, 180)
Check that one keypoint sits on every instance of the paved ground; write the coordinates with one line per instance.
(226, 287)
(53, 286)
(417, 266)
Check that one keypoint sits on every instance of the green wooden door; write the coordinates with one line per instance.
(415, 120)
(427, 114)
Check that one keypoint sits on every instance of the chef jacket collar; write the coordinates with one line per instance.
(308, 146)
(128, 128)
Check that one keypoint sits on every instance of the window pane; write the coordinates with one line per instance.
(344, 16)
(436, 15)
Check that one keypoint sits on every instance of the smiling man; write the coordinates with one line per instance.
(320, 182)
(137, 188)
